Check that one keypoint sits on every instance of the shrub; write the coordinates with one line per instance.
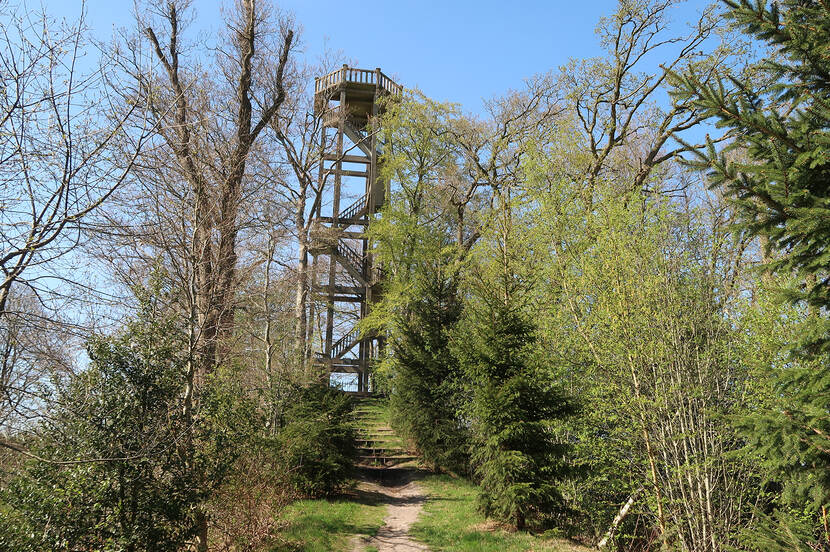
(110, 473)
(317, 440)
(117, 465)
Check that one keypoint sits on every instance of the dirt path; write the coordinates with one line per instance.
(405, 499)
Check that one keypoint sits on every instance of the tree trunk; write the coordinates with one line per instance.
(617, 520)
(652, 462)
(201, 531)
(301, 299)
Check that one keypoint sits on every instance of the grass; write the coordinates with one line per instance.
(328, 525)
(449, 522)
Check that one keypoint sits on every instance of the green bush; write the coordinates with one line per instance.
(317, 441)
(118, 465)
(111, 473)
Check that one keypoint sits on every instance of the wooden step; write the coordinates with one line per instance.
(358, 394)
(378, 446)
(384, 460)
(371, 451)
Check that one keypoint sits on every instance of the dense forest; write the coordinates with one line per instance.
(605, 298)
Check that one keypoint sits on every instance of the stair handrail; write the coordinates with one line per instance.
(356, 207)
(356, 138)
(345, 251)
(345, 343)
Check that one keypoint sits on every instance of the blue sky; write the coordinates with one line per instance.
(460, 51)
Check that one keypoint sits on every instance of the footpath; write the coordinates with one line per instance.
(389, 473)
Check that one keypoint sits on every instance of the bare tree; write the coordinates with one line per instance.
(492, 152)
(32, 352)
(208, 129)
(617, 100)
(299, 131)
(64, 150)
(195, 186)
(58, 134)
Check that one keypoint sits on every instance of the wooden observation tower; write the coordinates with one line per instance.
(347, 101)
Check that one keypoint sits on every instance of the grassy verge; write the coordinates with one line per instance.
(449, 522)
(328, 525)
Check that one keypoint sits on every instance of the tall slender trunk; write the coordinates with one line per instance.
(4, 297)
(201, 531)
(617, 520)
(217, 198)
(203, 285)
(459, 227)
(652, 462)
(266, 307)
(301, 296)
(312, 307)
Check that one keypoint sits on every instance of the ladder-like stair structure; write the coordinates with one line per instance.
(378, 445)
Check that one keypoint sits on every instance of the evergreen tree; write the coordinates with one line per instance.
(776, 168)
(425, 386)
(316, 440)
(515, 404)
(777, 118)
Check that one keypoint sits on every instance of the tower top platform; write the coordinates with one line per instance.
(360, 85)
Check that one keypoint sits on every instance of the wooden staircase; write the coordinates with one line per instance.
(378, 445)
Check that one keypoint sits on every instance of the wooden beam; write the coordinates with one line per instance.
(347, 158)
(364, 222)
(343, 172)
(339, 298)
(347, 299)
(354, 290)
(321, 359)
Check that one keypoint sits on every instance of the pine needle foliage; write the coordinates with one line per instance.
(776, 165)
(316, 441)
(776, 168)
(425, 395)
(514, 407)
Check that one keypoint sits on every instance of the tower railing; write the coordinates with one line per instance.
(352, 75)
(345, 343)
